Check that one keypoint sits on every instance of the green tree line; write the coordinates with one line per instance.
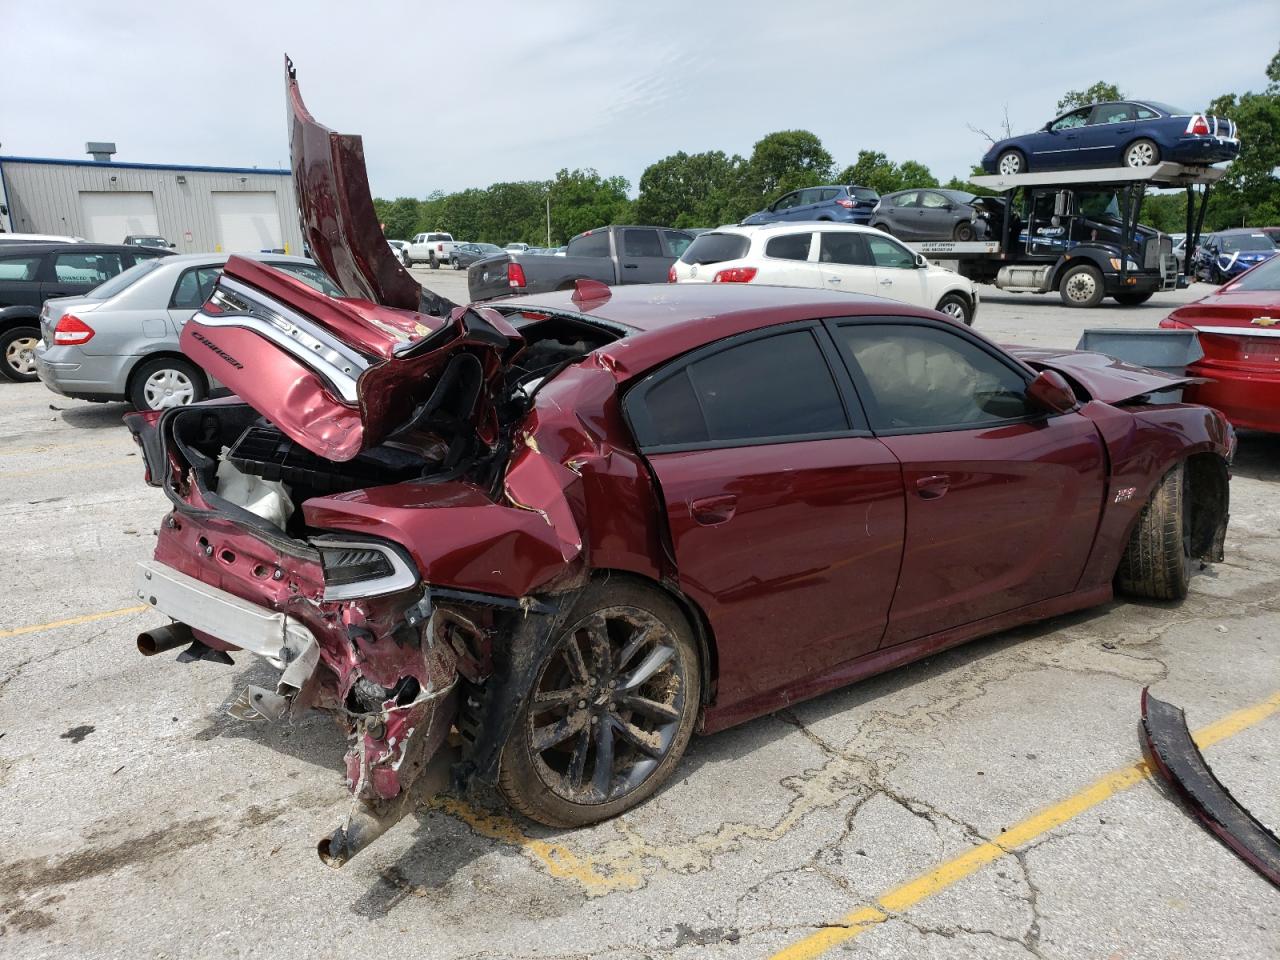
(711, 188)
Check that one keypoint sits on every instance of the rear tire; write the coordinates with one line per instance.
(1157, 561)
(957, 308)
(453, 262)
(591, 701)
(1082, 286)
(166, 382)
(17, 349)
(1132, 299)
(1141, 153)
(1011, 162)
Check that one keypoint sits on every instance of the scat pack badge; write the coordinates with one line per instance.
(1126, 493)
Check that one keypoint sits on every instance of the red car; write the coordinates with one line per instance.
(1239, 332)
(566, 531)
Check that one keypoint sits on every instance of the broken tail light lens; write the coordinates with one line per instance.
(1199, 126)
(362, 568)
(515, 275)
(736, 275)
(71, 331)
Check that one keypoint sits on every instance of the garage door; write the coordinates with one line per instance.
(110, 217)
(247, 222)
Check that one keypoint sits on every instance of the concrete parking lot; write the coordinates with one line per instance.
(986, 803)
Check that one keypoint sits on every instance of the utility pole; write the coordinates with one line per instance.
(548, 219)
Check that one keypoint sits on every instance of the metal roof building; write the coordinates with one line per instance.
(198, 209)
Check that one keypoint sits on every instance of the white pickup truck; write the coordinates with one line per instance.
(432, 248)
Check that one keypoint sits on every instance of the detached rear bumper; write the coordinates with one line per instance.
(282, 640)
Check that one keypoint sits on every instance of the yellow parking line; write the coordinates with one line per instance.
(943, 876)
(72, 621)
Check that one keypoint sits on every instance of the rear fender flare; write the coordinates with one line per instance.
(18, 316)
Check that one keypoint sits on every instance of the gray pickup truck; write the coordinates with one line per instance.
(612, 255)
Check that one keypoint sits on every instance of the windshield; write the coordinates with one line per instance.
(1246, 242)
(716, 248)
(863, 193)
(125, 278)
(1265, 276)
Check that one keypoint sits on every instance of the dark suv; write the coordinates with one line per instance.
(31, 273)
(838, 204)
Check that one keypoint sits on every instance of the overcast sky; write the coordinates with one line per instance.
(473, 93)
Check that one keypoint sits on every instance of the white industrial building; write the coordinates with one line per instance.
(198, 209)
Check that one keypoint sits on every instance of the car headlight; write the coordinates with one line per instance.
(362, 568)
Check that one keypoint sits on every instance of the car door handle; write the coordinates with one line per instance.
(630, 266)
(833, 279)
(713, 511)
(932, 487)
(887, 280)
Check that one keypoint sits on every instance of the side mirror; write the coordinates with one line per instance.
(1061, 203)
(1050, 391)
(172, 245)
(921, 262)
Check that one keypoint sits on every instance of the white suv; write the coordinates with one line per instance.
(827, 256)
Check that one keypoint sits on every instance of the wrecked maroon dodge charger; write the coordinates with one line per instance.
(536, 544)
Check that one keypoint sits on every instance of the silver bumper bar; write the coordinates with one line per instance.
(283, 641)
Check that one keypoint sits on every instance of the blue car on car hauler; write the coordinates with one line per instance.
(1126, 133)
(1226, 254)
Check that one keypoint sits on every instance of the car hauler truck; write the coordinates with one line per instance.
(1078, 232)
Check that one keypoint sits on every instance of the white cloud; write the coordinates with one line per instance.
(468, 94)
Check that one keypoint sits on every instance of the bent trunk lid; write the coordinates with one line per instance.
(339, 376)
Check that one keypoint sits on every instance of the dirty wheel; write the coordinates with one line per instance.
(611, 710)
(165, 382)
(1082, 286)
(18, 346)
(1157, 561)
(963, 232)
(455, 263)
(1011, 162)
(1141, 153)
(957, 308)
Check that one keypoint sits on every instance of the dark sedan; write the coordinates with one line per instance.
(1229, 253)
(1127, 133)
(931, 215)
(465, 254)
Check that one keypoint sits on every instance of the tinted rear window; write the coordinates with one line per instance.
(1165, 108)
(594, 244)
(716, 248)
(863, 193)
(1265, 276)
(125, 279)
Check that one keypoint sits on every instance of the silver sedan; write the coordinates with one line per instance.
(120, 341)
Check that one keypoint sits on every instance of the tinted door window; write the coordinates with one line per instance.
(933, 200)
(788, 201)
(922, 377)
(791, 246)
(1112, 113)
(846, 248)
(86, 268)
(589, 245)
(675, 243)
(193, 287)
(641, 243)
(906, 199)
(888, 253)
(1143, 113)
(1077, 118)
(19, 268)
(827, 193)
(773, 387)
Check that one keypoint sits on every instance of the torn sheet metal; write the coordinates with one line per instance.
(1177, 759)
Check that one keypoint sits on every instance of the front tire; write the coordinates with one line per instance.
(957, 308)
(18, 347)
(1157, 561)
(166, 382)
(1132, 299)
(611, 711)
(1011, 162)
(435, 264)
(1141, 153)
(1082, 286)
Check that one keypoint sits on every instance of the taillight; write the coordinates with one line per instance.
(846, 203)
(1169, 323)
(671, 274)
(440, 248)
(72, 330)
(1199, 126)
(515, 275)
(736, 275)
